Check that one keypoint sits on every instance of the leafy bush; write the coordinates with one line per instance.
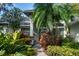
(68, 39)
(2, 52)
(21, 50)
(24, 51)
(74, 45)
(10, 44)
(69, 42)
(17, 54)
(61, 51)
(31, 51)
(26, 40)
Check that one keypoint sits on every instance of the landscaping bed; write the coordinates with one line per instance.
(13, 45)
(68, 48)
(61, 51)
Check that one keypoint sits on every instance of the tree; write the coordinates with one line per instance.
(67, 11)
(13, 16)
(47, 15)
(4, 6)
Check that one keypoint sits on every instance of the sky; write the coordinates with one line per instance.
(24, 6)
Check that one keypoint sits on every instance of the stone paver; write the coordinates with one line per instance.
(40, 50)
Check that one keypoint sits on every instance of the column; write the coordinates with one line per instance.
(31, 28)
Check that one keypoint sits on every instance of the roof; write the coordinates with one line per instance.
(3, 21)
(28, 12)
(75, 20)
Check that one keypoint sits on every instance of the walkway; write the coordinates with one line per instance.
(40, 51)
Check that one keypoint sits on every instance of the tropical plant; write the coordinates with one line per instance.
(67, 12)
(10, 44)
(47, 15)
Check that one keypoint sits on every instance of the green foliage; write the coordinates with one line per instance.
(31, 51)
(24, 50)
(16, 36)
(28, 52)
(68, 39)
(18, 54)
(10, 44)
(13, 16)
(61, 51)
(4, 6)
(74, 45)
(45, 15)
(48, 14)
(70, 42)
(1, 37)
(2, 52)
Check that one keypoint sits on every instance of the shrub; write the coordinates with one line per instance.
(17, 54)
(61, 51)
(26, 40)
(2, 52)
(69, 42)
(68, 39)
(31, 51)
(24, 51)
(74, 45)
(10, 44)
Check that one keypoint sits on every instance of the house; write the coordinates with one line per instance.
(26, 26)
(3, 26)
(74, 28)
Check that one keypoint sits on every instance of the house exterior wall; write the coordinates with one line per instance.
(25, 24)
(27, 27)
(6, 29)
(75, 31)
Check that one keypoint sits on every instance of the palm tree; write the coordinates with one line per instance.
(13, 16)
(67, 11)
(47, 15)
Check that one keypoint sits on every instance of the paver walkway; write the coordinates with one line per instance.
(40, 51)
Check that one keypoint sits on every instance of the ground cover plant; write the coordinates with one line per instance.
(61, 51)
(68, 48)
